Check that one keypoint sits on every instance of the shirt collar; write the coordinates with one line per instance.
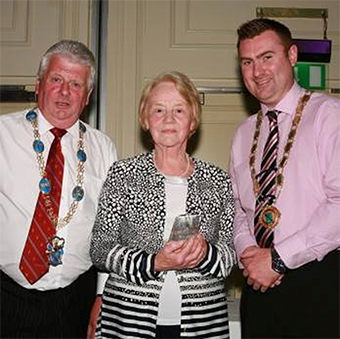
(45, 126)
(288, 103)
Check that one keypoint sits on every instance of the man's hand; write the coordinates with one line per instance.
(257, 268)
(177, 255)
(91, 329)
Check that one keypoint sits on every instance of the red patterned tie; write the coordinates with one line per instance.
(34, 261)
(267, 180)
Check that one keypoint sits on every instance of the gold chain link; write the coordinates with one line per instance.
(286, 151)
(56, 221)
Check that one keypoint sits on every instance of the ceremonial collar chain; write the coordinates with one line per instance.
(291, 136)
(44, 184)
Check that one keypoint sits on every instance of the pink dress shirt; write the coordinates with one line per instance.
(309, 201)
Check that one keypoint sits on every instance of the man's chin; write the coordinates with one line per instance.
(263, 95)
(64, 119)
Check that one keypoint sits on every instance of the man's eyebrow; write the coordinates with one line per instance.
(258, 56)
(264, 53)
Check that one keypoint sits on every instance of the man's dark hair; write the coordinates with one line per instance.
(255, 27)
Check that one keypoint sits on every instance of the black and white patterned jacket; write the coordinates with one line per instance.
(128, 233)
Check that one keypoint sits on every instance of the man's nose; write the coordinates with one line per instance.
(65, 88)
(257, 68)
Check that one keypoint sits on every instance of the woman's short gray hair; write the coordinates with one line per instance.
(184, 86)
(74, 50)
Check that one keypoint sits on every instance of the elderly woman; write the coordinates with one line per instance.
(156, 287)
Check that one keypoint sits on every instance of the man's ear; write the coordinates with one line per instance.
(88, 96)
(37, 85)
(293, 54)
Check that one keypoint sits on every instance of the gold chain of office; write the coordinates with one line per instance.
(78, 191)
(291, 136)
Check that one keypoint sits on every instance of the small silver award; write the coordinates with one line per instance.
(185, 226)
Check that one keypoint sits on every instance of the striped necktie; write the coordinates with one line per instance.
(34, 261)
(267, 180)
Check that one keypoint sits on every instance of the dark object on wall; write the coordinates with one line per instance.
(16, 93)
(314, 50)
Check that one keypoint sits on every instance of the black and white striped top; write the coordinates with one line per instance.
(128, 233)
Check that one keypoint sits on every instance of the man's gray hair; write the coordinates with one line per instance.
(76, 51)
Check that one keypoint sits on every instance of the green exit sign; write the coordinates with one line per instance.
(311, 75)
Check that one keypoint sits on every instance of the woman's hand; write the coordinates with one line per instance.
(177, 255)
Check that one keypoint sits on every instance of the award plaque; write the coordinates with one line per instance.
(185, 226)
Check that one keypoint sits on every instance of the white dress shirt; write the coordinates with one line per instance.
(19, 179)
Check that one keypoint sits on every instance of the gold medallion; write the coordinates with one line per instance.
(270, 216)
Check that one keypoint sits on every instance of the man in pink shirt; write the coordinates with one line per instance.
(285, 169)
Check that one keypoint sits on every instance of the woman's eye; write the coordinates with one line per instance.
(158, 110)
(180, 110)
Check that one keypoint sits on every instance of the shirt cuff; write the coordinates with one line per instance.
(101, 280)
(294, 252)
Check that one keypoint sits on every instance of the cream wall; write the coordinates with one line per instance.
(197, 37)
(146, 37)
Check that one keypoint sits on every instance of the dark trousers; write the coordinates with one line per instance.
(60, 313)
(167, 332)
(305, 305)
